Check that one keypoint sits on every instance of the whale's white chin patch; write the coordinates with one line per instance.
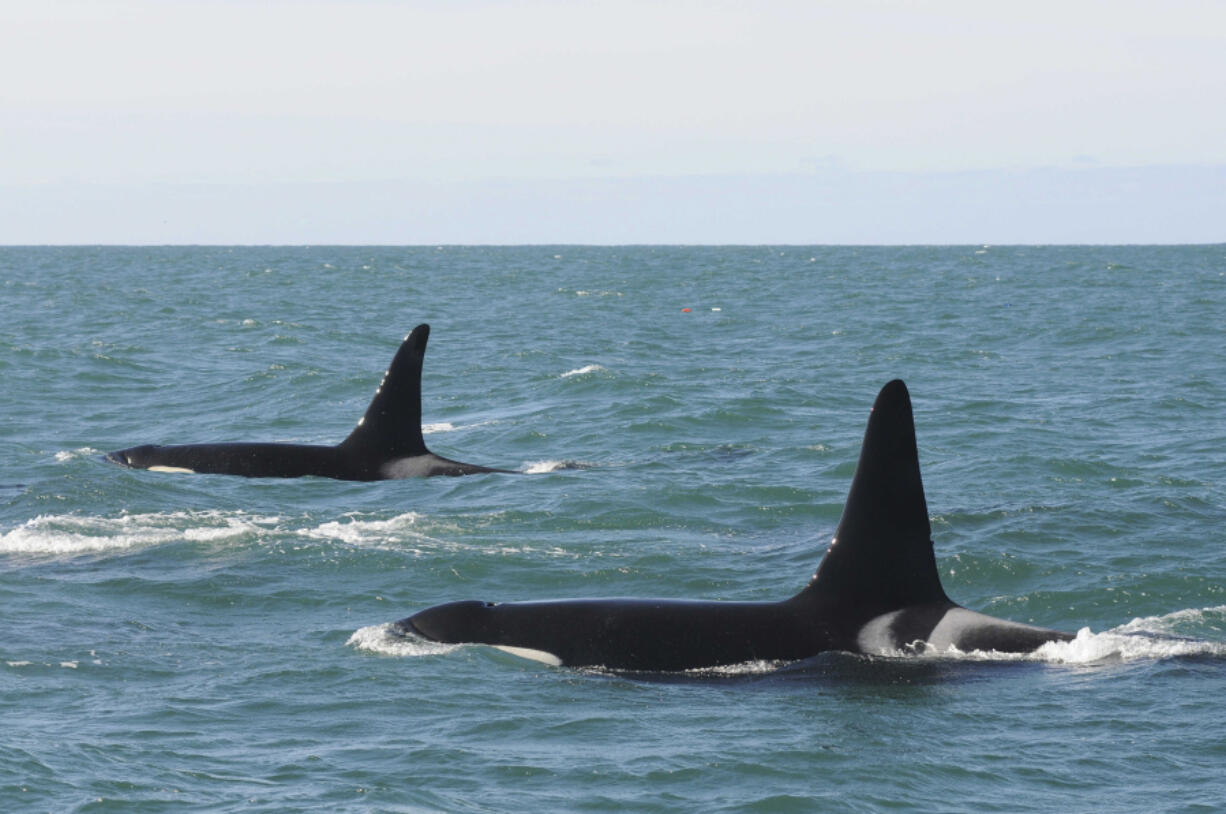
(529, 653)
(175, 469)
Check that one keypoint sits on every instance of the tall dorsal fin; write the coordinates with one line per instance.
(391, 427)
(881, 557)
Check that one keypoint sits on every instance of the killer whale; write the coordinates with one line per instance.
(876, 590)
(386, 444)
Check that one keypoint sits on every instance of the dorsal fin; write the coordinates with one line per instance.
(391, 427)
(881, 557)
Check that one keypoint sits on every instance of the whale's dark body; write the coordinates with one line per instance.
(876, 590)
(386, 444)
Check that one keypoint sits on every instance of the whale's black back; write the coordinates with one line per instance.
(387, 443)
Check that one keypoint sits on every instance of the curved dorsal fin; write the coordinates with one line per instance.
(881, 557)
(391, 426)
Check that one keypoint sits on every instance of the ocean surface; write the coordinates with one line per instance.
(691, 419)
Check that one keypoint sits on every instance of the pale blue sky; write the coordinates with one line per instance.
(221, 121)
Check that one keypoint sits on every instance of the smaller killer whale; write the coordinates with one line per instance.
(386, 444)
(877, 590)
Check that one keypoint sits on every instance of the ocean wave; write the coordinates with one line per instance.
(1111, 645)
(403, 534)
(388, 640)
(26, 663)
(1150, 638)
(66, 534)
(745, 668)
(579, 371)
(439, 426)
(1177, 622)
(447, 426)
(65, 455)
(543, 467)
(583, 292)
(358, 531)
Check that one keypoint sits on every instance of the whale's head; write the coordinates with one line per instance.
(152, 457)
(453, 622)
(511, 627)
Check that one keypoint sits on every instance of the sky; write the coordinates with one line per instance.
(472, 122)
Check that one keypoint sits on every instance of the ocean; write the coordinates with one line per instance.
(690, 419)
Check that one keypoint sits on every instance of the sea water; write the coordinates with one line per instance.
(691, 419)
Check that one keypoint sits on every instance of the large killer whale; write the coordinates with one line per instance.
(876, 591)
(386, 444)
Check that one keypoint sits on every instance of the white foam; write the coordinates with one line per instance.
(745, 668)
(67, 534)
(579, 371)
(1171, 623)
(1112, 645)
(65, 455)
(542, 467)
(1148, 639)
(67, 665)
(439, 426)
(401, 533)
(584, 293)
(388, 640)
(447, 426)
(356, 531)
(1151, 638)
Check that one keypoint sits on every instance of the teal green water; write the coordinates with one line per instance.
(179, 643)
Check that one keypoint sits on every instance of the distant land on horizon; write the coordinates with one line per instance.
(1172, 204)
